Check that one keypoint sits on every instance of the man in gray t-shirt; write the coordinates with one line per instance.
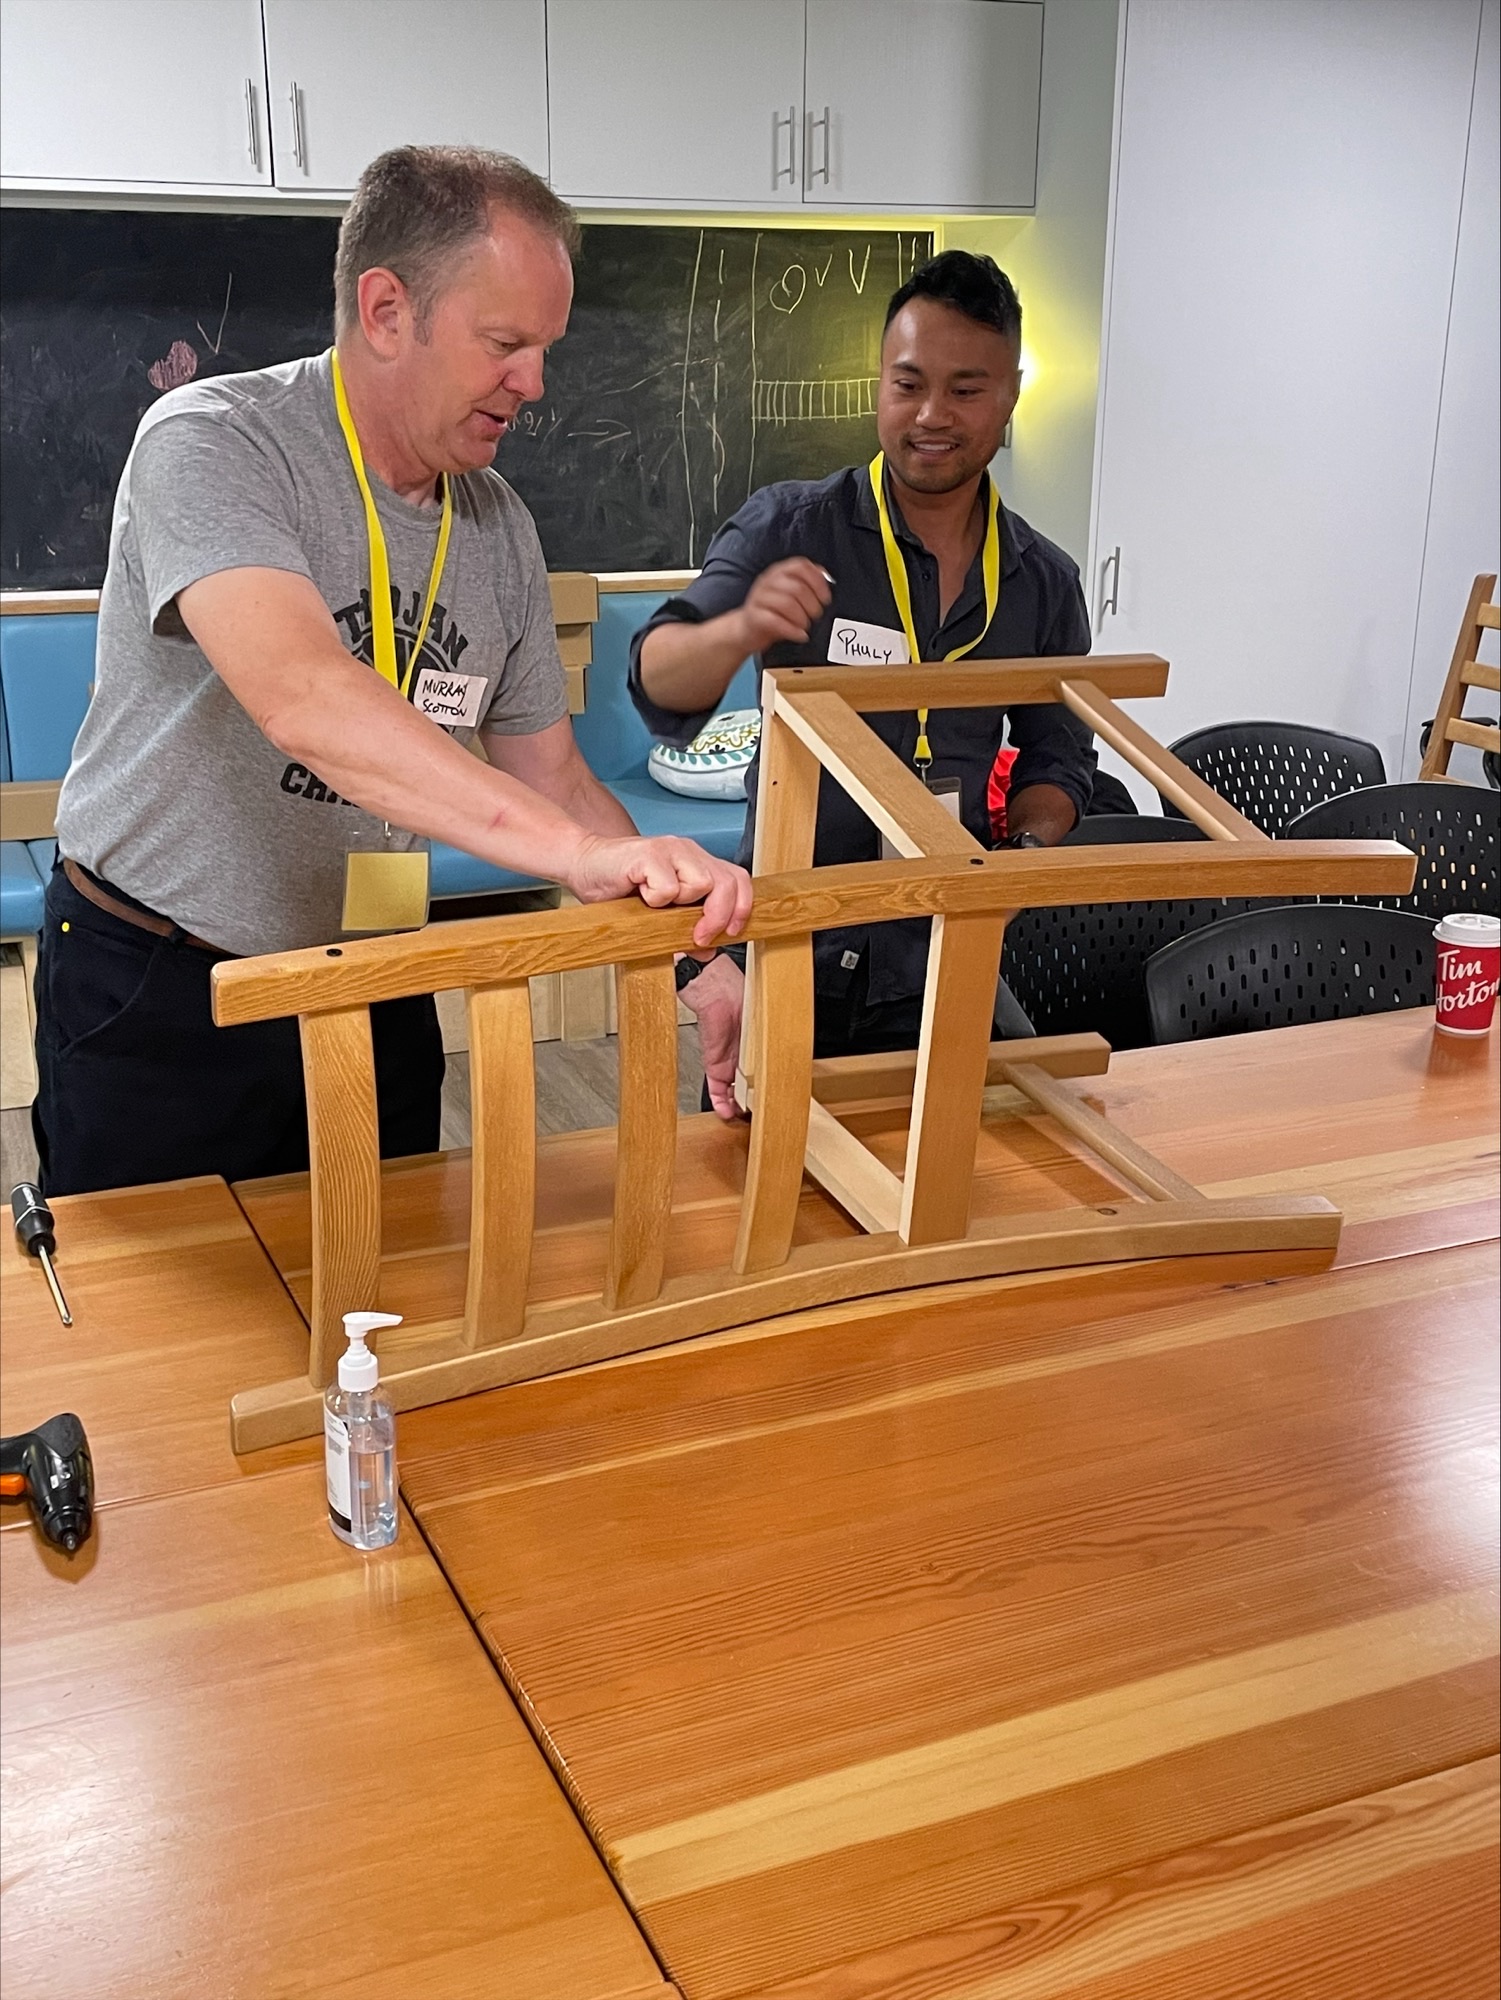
(239, 747)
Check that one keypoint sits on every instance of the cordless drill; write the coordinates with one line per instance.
(51, 1468)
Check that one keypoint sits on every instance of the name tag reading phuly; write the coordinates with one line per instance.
(454, 700)
(855, 644)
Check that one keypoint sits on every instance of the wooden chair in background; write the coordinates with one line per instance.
(914, 1226)
(1466, 670)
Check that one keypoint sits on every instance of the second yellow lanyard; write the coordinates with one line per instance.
(901, 589)
(382, 620)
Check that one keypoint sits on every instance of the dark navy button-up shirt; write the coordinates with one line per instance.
(833, 522)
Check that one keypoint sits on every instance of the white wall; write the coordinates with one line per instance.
(1286, 212)
(1464, 508)
(1057, 262)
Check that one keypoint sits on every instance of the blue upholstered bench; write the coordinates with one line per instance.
(46, 677)
(47, 672)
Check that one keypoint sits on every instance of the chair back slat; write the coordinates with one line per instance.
(782, 1065)
(503, 1162)
(338, 1062)
(647, 1131)
(953, 1054)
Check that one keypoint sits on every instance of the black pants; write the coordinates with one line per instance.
(851, 1026)
(136, 1084)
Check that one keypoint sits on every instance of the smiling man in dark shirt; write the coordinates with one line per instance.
(910, 557)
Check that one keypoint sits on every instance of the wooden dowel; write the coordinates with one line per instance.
(1480, 674)
(1204, 806)
(338, 1064)
(1133, 1162)
(646, 1132)
(1476, 735)
(849, 1171)
(503, 1162)
(854, 1079)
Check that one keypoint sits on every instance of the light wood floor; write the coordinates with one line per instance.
(576, 1084)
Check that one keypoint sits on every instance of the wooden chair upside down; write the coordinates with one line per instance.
(1466, 670)
(915, 1224)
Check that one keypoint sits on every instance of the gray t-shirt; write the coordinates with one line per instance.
(174, 795)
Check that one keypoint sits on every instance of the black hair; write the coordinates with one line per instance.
(975, 286)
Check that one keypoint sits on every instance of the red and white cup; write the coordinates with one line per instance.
(1469, 970)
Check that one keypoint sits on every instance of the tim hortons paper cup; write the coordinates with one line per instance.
(1469, 969)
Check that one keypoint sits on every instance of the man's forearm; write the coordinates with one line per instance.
(366, 743)
(596, 808)
(687, 667)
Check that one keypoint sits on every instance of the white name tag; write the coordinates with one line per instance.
(852, 644)
(455, 700)
(946, 791)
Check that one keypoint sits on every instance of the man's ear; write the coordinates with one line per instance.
(385, 311)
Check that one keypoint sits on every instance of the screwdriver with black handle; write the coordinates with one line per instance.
(37, 1235)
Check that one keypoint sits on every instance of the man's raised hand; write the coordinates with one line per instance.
(784, 603)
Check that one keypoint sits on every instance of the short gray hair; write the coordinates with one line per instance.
(416, 207)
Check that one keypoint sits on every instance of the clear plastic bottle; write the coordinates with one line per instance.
(359, 1442)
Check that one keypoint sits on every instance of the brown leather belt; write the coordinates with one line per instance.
(144, 920)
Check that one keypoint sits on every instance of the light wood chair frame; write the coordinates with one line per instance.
(1466, 670)
(915, 1226)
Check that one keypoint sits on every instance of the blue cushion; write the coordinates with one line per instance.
(615, 741)
(47, 670)
(454, 873)
(714, 823)
(20, 891)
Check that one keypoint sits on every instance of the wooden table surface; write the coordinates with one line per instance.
(239, 1759)
(1107, 1633)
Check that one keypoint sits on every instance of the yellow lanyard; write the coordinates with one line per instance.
(901, 590)
(382, 624)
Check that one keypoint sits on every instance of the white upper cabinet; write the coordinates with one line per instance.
(133, 91)
(922, 104)
(681, 101)
(349, 78)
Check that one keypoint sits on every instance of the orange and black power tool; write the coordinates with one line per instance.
(51, 1468)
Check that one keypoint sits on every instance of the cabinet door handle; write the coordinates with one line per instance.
(778, 171)
(1110, 600)
(299, 141)
(821, 171)
(252, 125)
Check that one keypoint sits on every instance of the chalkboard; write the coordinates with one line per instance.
(699, 364)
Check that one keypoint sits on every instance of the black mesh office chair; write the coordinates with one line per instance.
(1276, 966)
(1079, 968)
(1455, 831)
(1273, 771)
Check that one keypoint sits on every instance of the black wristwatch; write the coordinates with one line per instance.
(1023, 839)
(688, 968)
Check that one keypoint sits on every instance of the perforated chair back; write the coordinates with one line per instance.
(1455, 831)
(1081, 968)
(1279, 965)
(1273, 771)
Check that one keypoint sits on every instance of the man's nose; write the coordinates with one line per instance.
(524, 376)
(933, 413)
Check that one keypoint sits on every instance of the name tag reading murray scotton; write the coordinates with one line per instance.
(455, 700)
(853, 644)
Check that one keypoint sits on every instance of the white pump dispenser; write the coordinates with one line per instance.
(359, 1441)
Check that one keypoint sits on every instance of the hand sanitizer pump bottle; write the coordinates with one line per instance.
(359, 1442)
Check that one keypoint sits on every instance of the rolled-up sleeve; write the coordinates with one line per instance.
(1053, 746)
(734, 559)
